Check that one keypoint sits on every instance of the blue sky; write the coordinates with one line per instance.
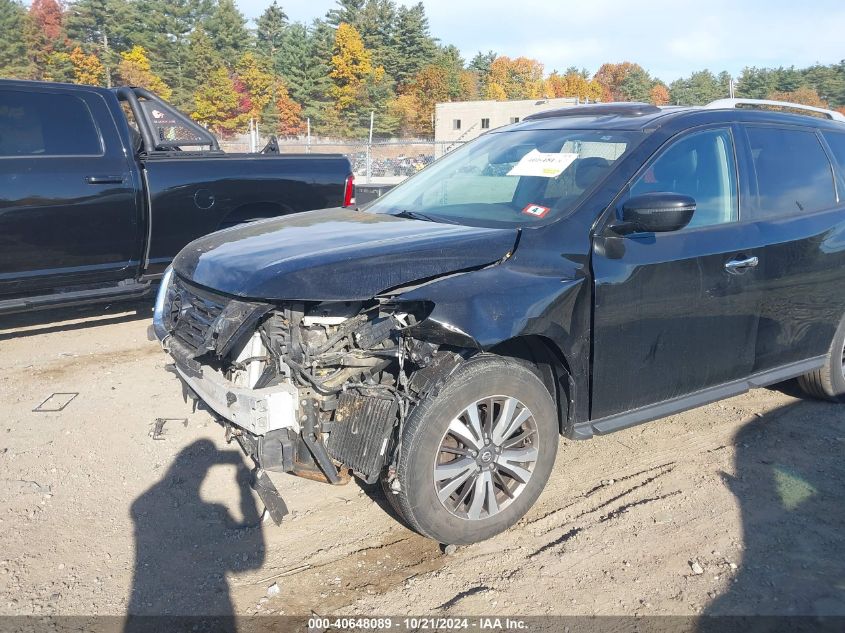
(669, 38)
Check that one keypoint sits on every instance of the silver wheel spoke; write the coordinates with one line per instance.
(504, 420)
(463, 433)
(517, 439)
(454, 450)
(508, 460)
(502, 483)
(475, 421)
(492, 504)
(479, 494)
(446, 491)
(452, 469)
(507, 427)
(521, 455)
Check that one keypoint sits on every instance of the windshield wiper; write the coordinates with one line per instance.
(416, 215)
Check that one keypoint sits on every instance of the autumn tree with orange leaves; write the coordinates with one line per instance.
(659, 94)
(520, 78)
(611, 78)
(573, 83)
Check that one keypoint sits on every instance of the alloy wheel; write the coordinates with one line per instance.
(486, 457)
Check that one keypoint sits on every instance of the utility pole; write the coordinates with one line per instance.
(370, 146)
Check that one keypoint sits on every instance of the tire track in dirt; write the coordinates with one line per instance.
(338, 582)
(641, 487)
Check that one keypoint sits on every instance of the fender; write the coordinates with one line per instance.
(483, 309)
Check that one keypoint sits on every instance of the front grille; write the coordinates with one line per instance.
(192, 314)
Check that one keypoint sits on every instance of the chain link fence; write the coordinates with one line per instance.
(380, 163)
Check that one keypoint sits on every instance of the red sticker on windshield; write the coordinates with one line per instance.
(536, 210)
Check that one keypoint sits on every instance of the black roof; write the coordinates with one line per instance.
(634, 108)
(27, 83)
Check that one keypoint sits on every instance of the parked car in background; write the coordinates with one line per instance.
(580, 272)
(100, 188)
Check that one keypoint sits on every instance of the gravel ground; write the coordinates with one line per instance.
(731, 508)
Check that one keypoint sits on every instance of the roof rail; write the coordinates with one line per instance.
(597, 109)
(733, 103)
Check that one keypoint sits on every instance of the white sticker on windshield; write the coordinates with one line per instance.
(536, 163)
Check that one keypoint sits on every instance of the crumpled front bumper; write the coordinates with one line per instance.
(258, 411)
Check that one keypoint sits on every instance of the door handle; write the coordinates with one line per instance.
(104, 180)
(739, 266)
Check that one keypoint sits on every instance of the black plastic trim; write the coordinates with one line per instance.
(610, 424)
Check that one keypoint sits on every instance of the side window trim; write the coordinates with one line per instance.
(668, 144)
(73, 95)
(838, 170)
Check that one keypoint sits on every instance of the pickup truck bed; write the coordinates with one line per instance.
(94, 206)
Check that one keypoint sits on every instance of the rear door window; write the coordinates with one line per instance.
(46, 124)
(793, 174)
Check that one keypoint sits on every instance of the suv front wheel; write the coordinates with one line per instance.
(475, 456)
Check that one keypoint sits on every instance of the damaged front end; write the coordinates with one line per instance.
(317, 389)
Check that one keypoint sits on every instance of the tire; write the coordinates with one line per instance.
(501, 486)
(828, 383)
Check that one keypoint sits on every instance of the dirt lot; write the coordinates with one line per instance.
(733, 508)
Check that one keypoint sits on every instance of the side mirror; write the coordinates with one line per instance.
(657, 212)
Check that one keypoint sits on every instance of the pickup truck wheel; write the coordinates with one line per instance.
(828, 383)
(476, 455)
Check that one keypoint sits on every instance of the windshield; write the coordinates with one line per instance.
(509, 178)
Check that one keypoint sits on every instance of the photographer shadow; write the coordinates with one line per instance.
(790, 486)
(185, 547)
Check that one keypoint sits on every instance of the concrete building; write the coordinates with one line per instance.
(460, 121)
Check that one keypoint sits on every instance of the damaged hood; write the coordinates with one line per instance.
(335, 255)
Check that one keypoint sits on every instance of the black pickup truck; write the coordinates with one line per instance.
(100, 188)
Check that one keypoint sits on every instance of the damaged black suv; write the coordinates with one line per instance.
(577, 273)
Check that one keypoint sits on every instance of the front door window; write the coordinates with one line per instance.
(702, 166)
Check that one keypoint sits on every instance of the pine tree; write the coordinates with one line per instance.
(14, 60)
(449, 59)
(755, 83)
(346, 12)
(163, 28)
(412, 46)
(101, 26)
(480, 67)
(270, 29)
(58, 67)
(202, 59)
(636, 86)
(227, 29)
(376, 24)
(303, 63)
